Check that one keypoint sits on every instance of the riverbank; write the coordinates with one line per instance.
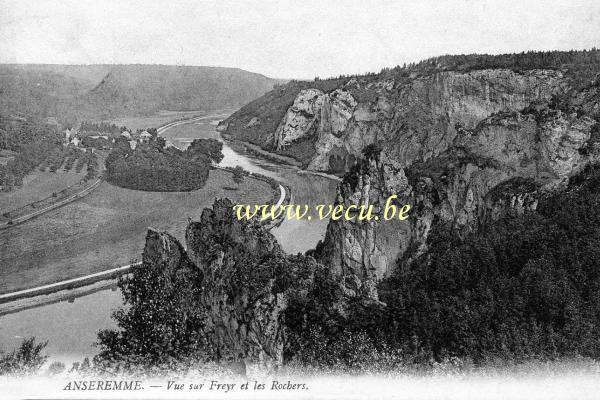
(106, 229)
(277, 158)
(246, 192)
(67, 293)
(257, 150)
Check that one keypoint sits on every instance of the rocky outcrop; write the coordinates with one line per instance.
(301, 119)
(241, 284)
(415, 119)
(500, 166)
(243, 321)
(164, 252)
(234, 288)
(253, 122)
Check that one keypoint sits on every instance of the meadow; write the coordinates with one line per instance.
(156, 120)
(107, 229)
(36, 186)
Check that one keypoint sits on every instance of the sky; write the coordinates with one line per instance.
(287, 39)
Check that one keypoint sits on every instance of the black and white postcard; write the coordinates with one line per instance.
(309, 199)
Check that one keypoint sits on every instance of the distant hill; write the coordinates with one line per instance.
(29, 92)
(131, 89)
(73, 92)
(326, 123)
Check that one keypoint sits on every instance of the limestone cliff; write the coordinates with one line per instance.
(413, 111)
(501, 165)
(415, 118)
(462, 147)
(237, 281)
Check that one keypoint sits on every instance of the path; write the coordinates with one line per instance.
(78, 195)
(69, 283)
(98, 276)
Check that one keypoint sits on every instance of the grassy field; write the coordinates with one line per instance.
(154, 121)
(106, 229)
(36, 186)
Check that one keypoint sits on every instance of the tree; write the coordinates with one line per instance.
(160, 142)
(238, 175)
(210, 149)
(26, 359)
(153, 167)
(523, 286)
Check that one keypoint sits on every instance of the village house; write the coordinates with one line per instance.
(75, 141)
(145, 137)
(69, 133)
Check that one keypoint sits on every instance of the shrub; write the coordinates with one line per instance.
(27, 359)
(56, 368)
(524, 286)
(152, 167)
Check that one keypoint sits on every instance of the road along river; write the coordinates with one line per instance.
(70, 326)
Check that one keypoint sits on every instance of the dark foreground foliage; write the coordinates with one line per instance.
(27, 359)
(162, 320)
(523, 287)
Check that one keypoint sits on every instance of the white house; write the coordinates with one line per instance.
(145, 137)
(75, 141)
(132, 144)
(126, 135)
(69, 133)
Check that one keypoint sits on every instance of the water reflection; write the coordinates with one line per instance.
(71, 327)
(294, 236)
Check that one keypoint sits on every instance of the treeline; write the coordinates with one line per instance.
(18, 132)
(573, 60)
(527, 287)
(154, 167)
(32, 141)
(518, 61)
(101, 127)
(580, 65)
(524, 287)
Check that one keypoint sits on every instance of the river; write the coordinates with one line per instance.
(71, 327)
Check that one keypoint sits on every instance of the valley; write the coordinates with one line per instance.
(107, 229)
(476, 147)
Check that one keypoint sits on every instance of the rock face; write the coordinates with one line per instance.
(163, 251)
(462, 149)
(241, 285)
(415, 119)
(500, 166)
(241, 307)
(242, 324)
(301, 118)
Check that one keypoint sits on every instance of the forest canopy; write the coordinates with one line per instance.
(154, 167)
